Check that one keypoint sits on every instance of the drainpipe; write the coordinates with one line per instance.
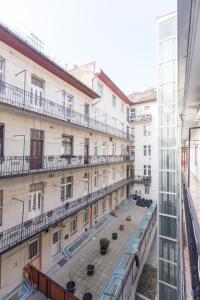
(191, 128)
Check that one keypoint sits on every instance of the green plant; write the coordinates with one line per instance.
(104, 243)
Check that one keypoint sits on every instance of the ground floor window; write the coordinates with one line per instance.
(73, 226)
(146, 189)
(95, 210)
(85, 215)
(33, 248)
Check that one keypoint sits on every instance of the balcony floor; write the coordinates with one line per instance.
(195, 194)
(75, 268)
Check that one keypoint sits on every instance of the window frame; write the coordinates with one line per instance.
(30, 243)
(64, 185)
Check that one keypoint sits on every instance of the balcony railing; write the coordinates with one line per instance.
(11, 166)
(141, 118)
(193, 234)
(24, 231)
(24, 100)
(142, 179)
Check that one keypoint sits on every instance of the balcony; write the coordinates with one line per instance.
(12, 166)
(23, 100)
(193, 234)
(141, 118)
(24, 231)
(146, 180)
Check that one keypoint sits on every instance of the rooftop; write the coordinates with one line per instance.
(89, 254)
(141, 97)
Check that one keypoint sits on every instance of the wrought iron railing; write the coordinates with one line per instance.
(142, 179)
(11, 166)
(193, 235)
(22, 232)
(22, 99)
(141, 118)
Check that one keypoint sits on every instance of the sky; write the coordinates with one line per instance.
(120, 35)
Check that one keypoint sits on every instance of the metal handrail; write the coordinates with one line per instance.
(17, 97)
(15, 235)
(141, 118)
(11, 166)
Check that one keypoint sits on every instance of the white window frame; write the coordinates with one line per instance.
(31, 242)
(65, 182)
(95, 148)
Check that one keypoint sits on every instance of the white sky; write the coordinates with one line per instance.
(119, 35)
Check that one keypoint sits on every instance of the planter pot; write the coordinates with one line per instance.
(114, 235)
(121, 227)
(90, 270)
(128, 218)
(103, 251)
(87, 296)
(70, 286)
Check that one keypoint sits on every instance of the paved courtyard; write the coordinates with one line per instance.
(75, 268)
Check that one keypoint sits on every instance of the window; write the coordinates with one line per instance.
(122, 193)
(1, 139)
(147, 108)
(37, 91)
(95, 149)
(147, 170)
(67, 145)
(146, 189)
(133, 131)
(103, 204)
(113, 100)
(95, 210)
(104, 148)
(85, 183)
(149, 150)
(66, 187)
(122, 108)
(73, 226)
(132, 151)
(147, 130)
(104, 178)
(122, 126)
(100, 89)
(86, 215)
(1, 207)
(145, 150)
(122, 172)
(132, 113)
(67, 100)
(114, 173)
(33, 248)
(35, 203)
(122, 149)
(113, 149)
(96, 178)
(2, 69)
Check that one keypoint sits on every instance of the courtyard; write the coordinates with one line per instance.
(75, 269)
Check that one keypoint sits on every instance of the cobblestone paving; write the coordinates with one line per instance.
(75, 268)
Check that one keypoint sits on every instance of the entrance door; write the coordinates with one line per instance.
(37, 92)
(56, 243)
(36, 151)
(86, 151)
(35, 204)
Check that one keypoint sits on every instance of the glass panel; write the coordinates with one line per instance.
(167, 50)
(167, 293)
(167, 181)
(167, 115)
(168, 227)
(168, 272)
(167, 28)
(167, 204)
(168, 249)
(167, 159)
(167, 72)
(167, 137)
(167, 93)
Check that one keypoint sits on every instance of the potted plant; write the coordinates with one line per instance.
(114, 235)
(71, 285)
(87, 296)
(104, 244)
(90, 270)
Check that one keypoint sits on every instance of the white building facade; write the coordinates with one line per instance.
(143, 119)
(64, 162)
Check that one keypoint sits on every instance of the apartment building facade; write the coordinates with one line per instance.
(64, 162)
(143, 117)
